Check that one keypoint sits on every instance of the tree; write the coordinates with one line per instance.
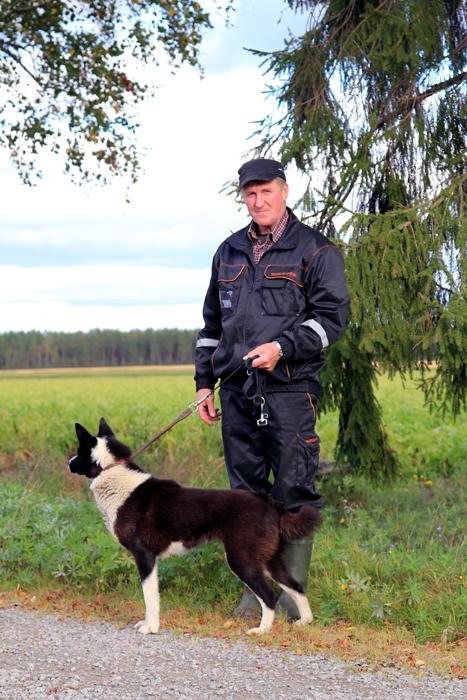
(99, 347)
(67, 80)
(372, 101)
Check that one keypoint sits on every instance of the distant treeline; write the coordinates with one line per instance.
(35, 350)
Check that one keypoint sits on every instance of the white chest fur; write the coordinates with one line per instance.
(112, 488)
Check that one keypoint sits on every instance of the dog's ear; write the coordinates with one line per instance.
(82, 434)
(104, 428)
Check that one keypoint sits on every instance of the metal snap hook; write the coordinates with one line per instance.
(262, 420)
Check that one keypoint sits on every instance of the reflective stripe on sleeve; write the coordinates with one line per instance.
(317, 328)
(207, 343)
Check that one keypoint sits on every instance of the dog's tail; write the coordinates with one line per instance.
(294, 526)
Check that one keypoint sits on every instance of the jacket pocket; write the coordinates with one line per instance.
(229, 282)
(280, 297)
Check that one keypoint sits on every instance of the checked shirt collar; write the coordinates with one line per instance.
(261, 244)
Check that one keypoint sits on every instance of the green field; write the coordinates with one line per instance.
(388, 553)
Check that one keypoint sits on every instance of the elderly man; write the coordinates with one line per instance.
(278, 294)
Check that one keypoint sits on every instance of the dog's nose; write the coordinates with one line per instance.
(70, 463)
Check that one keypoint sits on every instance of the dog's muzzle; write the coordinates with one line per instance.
(70, 464)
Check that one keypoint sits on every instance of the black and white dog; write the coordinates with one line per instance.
(155, 518)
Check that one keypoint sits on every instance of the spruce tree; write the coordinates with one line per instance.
(372, 98)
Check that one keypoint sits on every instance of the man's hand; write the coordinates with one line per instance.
(206, 410)
(269, 356)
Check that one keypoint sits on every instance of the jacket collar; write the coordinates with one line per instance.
(288, 240)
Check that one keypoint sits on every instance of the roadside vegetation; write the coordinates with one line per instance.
(387, 556)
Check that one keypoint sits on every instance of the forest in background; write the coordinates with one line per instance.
(96, 348)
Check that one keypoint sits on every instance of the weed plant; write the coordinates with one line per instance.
(388, 553)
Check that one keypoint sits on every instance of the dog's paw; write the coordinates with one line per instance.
(144, 628)
(305, 620)
(258, 630)
(148, 629)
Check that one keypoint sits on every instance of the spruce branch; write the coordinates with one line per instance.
(407, 104)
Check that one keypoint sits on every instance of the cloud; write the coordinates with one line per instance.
(60, 316)
(116, 285)
(99, 296)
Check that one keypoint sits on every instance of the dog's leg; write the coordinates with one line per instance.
(147, 567)
(256, 582)
(150, 625)
(301, 601)
(267, 618)
(278, 572)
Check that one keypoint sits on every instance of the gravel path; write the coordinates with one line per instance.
(47, 657)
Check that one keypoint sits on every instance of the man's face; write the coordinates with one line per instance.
(265, 202)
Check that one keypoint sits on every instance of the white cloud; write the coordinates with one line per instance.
(60, 316)
(102, 284)
(101, 296)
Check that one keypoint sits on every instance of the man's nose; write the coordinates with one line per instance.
(259, 201)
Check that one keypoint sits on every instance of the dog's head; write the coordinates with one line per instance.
(95, 453)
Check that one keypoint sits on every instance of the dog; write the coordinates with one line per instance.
(155, 518)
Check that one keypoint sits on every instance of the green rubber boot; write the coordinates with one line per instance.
(249, 607)
(298, 553)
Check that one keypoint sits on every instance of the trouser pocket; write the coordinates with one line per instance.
(307, 461)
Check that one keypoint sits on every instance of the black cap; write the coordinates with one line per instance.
(261, 170)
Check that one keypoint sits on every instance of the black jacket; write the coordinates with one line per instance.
(296, 294)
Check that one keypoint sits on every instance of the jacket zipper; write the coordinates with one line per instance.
(250, 290)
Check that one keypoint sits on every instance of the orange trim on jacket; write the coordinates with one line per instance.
(232, 279)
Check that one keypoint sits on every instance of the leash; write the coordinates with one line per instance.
(253, 393)
(194, 405)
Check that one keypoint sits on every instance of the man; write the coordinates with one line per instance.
(278, 294)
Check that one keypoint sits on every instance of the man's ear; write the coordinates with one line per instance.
(104, 428)
(82, 434)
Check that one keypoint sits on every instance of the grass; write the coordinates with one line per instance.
(386, 558)
(38, 413)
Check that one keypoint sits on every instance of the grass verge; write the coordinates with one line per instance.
(381, 556)
(387, 557)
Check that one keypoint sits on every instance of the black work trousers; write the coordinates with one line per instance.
(280, 458)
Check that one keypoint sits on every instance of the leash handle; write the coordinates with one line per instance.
(249, 369)
(249, 365)
(194, 405)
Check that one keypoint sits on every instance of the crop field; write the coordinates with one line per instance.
(385, 554)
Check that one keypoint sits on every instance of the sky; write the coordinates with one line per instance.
(76, 258)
